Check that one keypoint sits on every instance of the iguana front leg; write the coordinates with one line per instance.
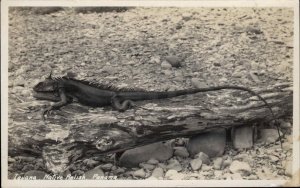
(63, 101)
(121, 106)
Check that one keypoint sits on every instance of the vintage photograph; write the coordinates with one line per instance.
(150, 93)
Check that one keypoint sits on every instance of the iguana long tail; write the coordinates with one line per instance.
(135, 96)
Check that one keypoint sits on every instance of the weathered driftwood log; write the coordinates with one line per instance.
(77, 130)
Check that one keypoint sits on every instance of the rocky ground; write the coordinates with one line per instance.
(161, 49)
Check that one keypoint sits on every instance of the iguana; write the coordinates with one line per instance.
(64, 89)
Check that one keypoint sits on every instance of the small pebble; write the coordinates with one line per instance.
(273, 158)
(226, 163)
(198, 83)
(206, 167)
(218, 162)
(113, 168)
(252, 177)
(205, 159)
(158, 172)
(91, 174)
(286, 146)
(39, 165)
(240, 167)
(285, 125)
(27, 167)
(109, 69)
(181, 152)
(106, 167)
(119, 171)
(174, 61)
(186, 16)
(140, 173)
(167, 72)
(90, 162)
(268, 135)
(19, 81)
(196, 164)
(178, 26)
(236, 176)
(173, 164)
(166, 65)
(78, 173)
(174, 175)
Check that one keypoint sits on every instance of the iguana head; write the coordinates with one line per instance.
(47, 89)
(48, 85)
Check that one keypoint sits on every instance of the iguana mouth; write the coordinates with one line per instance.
(46, 95)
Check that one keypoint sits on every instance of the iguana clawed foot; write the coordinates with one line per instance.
(47, 112)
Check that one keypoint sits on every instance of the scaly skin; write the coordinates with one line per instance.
(63, 90)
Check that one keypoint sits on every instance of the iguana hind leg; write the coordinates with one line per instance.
(121, 106)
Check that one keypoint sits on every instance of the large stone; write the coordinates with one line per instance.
(268, 135)
(212, 143)
(242, 137)
(158, 151)
(240, 167)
